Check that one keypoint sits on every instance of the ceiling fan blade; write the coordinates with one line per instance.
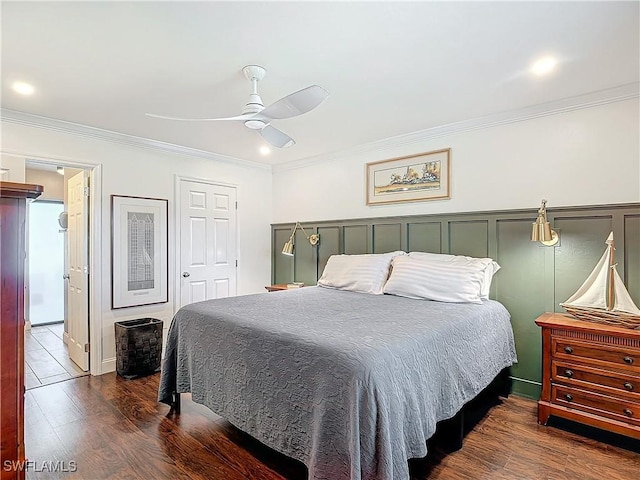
(239, 117)
(275, 137)
(296, 104)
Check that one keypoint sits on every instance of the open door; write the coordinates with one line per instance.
(78, 296)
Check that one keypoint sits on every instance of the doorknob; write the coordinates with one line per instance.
(186, 274)
(66, 276)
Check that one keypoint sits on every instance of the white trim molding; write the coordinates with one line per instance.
(589, 100)
(28, 119)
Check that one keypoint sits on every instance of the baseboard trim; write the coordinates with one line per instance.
(526, 388)
(108, 365)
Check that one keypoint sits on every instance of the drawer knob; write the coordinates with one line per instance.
(628, 412)
(628, 360)
(568, 373)
(568, 397)
(568, 349)
(628, 386)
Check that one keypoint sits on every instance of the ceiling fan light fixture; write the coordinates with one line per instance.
(255, 124)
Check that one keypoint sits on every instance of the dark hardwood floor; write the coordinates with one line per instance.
(107, 427)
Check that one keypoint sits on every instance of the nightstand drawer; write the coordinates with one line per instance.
(583, 376)
(617, 357)
(602, 405)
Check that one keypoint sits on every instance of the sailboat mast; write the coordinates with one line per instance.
(612, 266)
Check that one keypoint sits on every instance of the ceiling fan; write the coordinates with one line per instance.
(256, 117)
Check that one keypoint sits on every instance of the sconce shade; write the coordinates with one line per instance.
(288, 248)
(541, 230)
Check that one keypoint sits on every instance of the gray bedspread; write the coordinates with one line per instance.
(350, 384)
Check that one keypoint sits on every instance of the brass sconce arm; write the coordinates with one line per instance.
(313, 239)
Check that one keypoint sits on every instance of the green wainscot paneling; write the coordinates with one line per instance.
(304, 267)
(520, 286)
(469, 237)
(387, 238)
(631, 275)
(329, 245)
(533, 278)
(424, 237)
(356, 239)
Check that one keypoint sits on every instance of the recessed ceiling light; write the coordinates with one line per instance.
(264, 150)
(544, 66)
(23, 88)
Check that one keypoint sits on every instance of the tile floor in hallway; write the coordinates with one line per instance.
(46, 357)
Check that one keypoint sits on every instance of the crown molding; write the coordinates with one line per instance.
(569, 104)
(47, 123)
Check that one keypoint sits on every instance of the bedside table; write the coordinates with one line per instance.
(590, 374)
(280, 286)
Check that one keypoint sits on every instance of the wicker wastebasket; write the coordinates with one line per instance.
(138, 347)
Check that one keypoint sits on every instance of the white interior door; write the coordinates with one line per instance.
(78, 296)
(208, 224)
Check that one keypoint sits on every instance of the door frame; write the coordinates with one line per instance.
(177, 232)
(95, 247)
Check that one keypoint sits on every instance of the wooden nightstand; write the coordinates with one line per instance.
(590, 374)
(280, 286)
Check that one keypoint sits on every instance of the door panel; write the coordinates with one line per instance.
(78, 292)
(208, 225)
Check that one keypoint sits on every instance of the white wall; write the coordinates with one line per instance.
(52, 182)
(15, 166)
(583, 157)
(128, 170)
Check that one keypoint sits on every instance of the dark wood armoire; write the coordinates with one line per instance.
(13, 208)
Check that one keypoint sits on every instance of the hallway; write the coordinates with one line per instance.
(46, 357)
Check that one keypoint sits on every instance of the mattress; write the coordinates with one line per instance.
(350, 384)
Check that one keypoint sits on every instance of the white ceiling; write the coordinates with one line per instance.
(391, 67)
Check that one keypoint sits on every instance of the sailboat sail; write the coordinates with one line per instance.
(623, 301)
(603, 291)
(593, 292)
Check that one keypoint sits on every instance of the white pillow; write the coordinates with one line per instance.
(488, 266)
(358, 273)
(420, 278)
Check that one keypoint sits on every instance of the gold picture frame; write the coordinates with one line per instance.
(414, 178)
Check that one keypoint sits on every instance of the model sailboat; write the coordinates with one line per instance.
(603, 296)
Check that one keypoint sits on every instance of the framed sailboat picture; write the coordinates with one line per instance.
(139, 274)
(415, 178)
(603, 297)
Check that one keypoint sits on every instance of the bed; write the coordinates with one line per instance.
(351, 384)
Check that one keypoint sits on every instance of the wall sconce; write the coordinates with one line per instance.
(287, 249)
(541, 230)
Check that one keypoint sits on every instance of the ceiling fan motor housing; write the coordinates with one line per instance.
(254, 105)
